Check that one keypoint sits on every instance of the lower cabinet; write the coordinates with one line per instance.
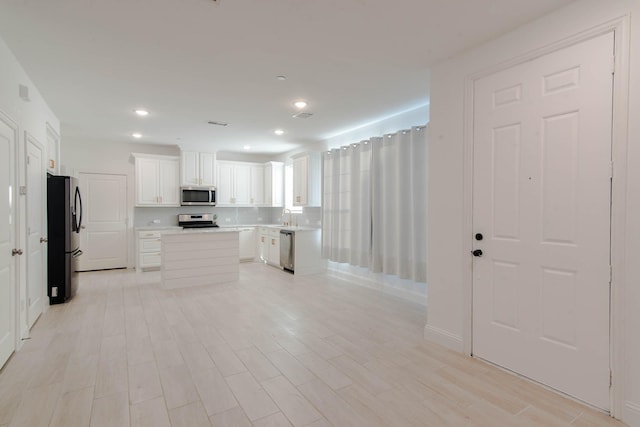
(269, 245)
(274, 247)
(148, 244)
(247, 244)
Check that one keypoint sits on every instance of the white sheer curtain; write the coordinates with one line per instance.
(346, 205)
(375, 204)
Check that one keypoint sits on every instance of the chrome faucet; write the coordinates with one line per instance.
(284, 211)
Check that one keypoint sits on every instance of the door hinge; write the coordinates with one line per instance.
(610, 274)
(610, 378)
(23, 190)
(611, 170)
(613, 64)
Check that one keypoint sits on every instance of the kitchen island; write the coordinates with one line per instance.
(199, 257)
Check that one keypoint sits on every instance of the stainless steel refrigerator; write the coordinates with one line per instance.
(64, 219)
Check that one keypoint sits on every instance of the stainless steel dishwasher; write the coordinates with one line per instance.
(287, 250)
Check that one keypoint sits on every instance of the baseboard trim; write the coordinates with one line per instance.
(442, 337)
(416, 298)
(631, 413)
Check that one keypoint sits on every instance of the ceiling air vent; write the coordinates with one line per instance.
(302, 115)
(213, 122)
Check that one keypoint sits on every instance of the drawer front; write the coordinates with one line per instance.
(151, 259)
(274, 232)
(148, 234)
(149, 245)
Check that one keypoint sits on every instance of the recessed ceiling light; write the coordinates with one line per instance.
(300, 104)
(136, 135)
(278, 132)
(141, 112)
(281, 78)
(247, 147)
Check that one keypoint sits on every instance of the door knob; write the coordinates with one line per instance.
(43, 240)
(15, 252)
(477, 252)
(479, 236)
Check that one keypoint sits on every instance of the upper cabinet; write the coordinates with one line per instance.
(306, 179)
(235, 184)
(53, 148)
(157, 180)
(256, 193)
(198, 168)
(249, 184)
(274, 184)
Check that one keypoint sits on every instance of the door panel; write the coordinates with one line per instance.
(36, 208)
(103, 235)
(7, 240)
(541, 199)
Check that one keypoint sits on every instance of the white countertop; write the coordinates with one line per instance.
(237, 227)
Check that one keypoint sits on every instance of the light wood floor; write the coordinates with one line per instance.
(271, 350)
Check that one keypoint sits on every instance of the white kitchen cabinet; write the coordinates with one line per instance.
(224, 189)
(274, 184)
(306, 179)
(148, 245)
(273, 243)
(257, 185)
(269, 245)
(198, 168)
(247, 243)
(242, 184)
(157, 180)
(239, 184)
(263, 240)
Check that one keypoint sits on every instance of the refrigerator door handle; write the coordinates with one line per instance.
(78, 201)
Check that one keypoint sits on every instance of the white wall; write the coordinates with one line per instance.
(31, 117)
(111, 158)
(406, 120)
(448, 261)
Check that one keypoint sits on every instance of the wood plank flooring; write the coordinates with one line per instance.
(270, 350)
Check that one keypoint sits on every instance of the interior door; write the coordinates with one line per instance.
(103, 234)
(7, 239)
(36, 229)
(541, 214)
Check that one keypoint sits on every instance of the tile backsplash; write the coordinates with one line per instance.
(162, 217)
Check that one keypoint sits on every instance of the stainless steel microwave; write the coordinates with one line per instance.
(198, 196)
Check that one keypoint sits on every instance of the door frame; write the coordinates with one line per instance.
(621, 30)
(30, 139)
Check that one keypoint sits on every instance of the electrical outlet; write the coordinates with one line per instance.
(156, 221)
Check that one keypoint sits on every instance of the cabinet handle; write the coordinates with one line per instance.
(273, 242)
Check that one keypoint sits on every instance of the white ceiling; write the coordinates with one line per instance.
(190, 61)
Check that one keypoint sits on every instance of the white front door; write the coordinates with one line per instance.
(103, 235)
(541, 201)
(36, 208)
(7, 239)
